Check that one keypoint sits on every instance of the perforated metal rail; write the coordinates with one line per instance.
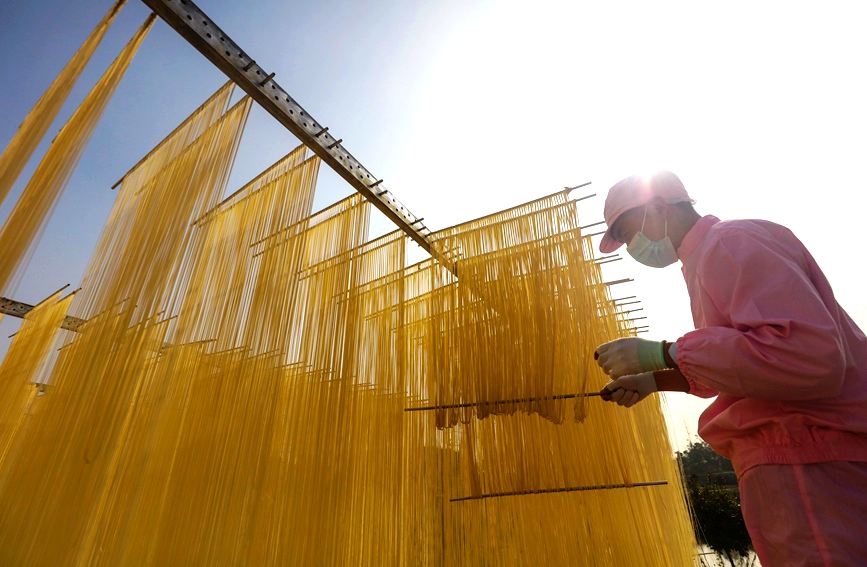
(19, 309)
(197, 28)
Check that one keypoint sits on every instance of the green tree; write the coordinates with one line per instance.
(702, 465)
(718, 523)
(715, 503)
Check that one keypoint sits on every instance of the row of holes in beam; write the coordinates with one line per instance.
(401, 210)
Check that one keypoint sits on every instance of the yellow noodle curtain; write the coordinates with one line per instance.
(21, 230)
(71, 453)
(237, 393)
(19, 370)
(36, 123)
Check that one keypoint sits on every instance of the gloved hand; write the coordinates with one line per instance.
(629, 390)
(631, 355)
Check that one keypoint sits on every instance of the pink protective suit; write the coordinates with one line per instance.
(806, 515)
(787, 364)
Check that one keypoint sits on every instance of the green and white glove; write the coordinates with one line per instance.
(629, 390)
(631, 355)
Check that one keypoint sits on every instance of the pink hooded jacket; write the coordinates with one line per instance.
(787, 364)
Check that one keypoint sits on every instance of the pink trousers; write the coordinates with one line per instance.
(807, 515)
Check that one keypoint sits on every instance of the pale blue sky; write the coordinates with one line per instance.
(469, 107)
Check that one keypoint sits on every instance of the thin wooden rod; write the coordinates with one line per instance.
(570, 189)
(630, 311)
(180, 127)
(515, 401)
(225, 204)
(567, 489)
(52, 295)
(505, 212)
(594, 224)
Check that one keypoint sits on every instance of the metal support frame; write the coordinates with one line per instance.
(19, 309)
(197, 28)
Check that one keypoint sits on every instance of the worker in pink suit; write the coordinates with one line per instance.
(787, 366)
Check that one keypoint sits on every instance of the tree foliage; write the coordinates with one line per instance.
(715, 502)
(702, 465)
(718, 522)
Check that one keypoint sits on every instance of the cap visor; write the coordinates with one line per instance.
(608, 243)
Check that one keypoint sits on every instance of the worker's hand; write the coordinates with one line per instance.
(631, 355)
(629, 390)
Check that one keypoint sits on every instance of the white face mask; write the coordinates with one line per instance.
(653, 253)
